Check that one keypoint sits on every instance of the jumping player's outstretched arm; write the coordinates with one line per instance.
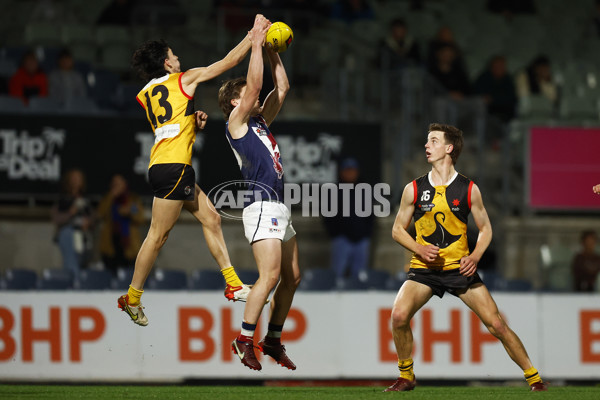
(407, 208)
(194, 76)
(275, 98)
(468, 264)
(238, 119)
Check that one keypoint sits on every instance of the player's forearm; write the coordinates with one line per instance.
(254, 79)
(401, 236)
(483, 241)
(238, 53)
(278, 73)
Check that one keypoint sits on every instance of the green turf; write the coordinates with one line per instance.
(8, 392)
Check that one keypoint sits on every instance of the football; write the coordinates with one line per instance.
(279, 37)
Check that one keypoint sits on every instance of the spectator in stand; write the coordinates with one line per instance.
(399, 48)
(586, 264)
(443, 37)
(350, 235)
(122, 214)
(73, 217)
(65, 82)
(497, 88)
(450, 73)
(536, 80)
(596, 189)
(352, 10)
(29, 80)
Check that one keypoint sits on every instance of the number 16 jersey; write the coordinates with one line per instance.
(441, 215)
(171, 114)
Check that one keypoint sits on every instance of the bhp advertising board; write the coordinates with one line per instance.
(72, 336)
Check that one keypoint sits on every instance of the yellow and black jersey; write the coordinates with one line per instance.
(441, 215)
(171, 113)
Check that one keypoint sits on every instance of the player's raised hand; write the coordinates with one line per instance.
(428, 253)
(259, 30)
(468, 265)
(201, 118)
(596, 189)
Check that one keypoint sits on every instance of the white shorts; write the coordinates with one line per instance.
(267, 220)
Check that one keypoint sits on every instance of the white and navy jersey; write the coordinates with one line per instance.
(257, 154)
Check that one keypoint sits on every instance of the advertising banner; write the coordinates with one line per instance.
(35, 151)
(84, 337)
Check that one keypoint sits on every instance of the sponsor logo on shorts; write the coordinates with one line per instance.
(187, 190)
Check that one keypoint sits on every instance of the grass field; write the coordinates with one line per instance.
(9, 392)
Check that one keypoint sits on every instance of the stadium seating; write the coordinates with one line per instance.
(375, 279)
(20, 279)
(123, 279)
(350, 284)
(249, 277)
(317, 279)
(207, 279)
(45, 105)
(513, 285)
(94, 280)
(9, 104)
(81, 106)
(55, 279)
(164, 279)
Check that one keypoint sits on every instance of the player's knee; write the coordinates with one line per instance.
(270, 279)
(291, 284)
(497, 327)
(157, 239)
(212, 220)
(400, 318)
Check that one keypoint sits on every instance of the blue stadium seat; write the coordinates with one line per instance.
(94, 280)
(20, 279)
(56, 279)
(249, 277)
(45, 105)
(103, 86)
(350, 284)
(207, 279)
(9, 104)
(123, 279)
(513, 285)
(489, 278)
(393, 284)
(317, 279)
(375, 279)
(164, 279)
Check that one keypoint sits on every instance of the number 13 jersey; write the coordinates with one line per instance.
(441, 215)
(171, 113)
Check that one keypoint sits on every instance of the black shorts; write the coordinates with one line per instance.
(172, 181)
(439, 281)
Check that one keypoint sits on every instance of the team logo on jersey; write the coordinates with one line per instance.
(441, 237)
(456, 204)
(277, 164)
(260, 131)
(426, 207)
(274, 222)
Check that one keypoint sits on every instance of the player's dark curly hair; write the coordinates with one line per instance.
(230, 90)
(452, 135)
(149, 59)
